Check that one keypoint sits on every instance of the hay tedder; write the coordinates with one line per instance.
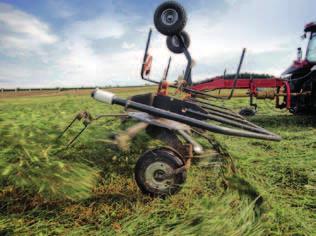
(162, 171)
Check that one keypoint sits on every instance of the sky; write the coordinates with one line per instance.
(74, 43)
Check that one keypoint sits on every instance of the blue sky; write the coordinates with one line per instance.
(55, 43)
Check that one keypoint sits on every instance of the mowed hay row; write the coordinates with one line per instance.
(89, 189)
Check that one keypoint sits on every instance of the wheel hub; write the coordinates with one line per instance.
(155, 176)
(175, 41)
(169, 17)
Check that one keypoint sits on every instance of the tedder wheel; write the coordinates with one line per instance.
(170, 18)
(174, 45)
(154, 172)
(247, 112)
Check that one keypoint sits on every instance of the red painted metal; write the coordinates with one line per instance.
(242, 83)
(251, 84)
(163, 88)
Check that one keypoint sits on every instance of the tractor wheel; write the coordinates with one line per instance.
(170, 18)
(247, 112)
(154, 173)
(174, 44)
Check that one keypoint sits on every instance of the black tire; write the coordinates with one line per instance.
(170, 18)
(247, 112)
(152, 165)
(174, 45)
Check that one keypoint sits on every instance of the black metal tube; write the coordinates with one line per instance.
(230, 115)
(216, 109)
(191, 121)
(223, 114)
(229, 122)
(213, 105)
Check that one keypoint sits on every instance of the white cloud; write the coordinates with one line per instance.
(22, 31)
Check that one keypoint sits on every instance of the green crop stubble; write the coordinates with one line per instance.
(90, 188)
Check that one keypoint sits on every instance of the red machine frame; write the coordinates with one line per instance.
(252, 84)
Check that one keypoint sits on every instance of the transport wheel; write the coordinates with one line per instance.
(170, 18)
(174, 45)
(154, 173)
(247, 112)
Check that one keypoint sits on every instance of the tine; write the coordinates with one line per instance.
(65, 130)
(76, 137)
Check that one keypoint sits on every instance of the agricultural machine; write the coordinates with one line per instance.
(162, 171)
(295, 90)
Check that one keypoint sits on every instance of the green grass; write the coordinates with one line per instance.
(89, 189)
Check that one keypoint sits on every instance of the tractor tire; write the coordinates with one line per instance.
(152, 166)
(174, 44)
(247, 112)
(170, 18)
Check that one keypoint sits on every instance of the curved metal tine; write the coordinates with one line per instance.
(229, 122)
(65, 130)
(76, 137)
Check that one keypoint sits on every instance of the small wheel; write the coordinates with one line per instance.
(170, 18)
(174, 44)
(154, 173)
(247, 112)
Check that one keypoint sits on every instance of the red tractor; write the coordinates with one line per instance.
(297, 84)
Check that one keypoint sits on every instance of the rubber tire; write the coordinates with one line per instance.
(178, 48)
(247, 112)
(162, 155)
(179, 25)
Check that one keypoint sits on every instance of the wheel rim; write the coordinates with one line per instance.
(175, 41)
(154, 173)
(169, 16)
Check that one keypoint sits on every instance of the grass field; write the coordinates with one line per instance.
(89, 189)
